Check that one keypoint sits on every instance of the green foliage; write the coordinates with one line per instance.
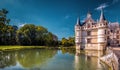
(6, 31)
(50, 39)
(68, 42)
(3, 15)
(26, 34)
(30, 34)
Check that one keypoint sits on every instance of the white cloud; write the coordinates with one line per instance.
(102, 6)
(17, 22)
(21, 25)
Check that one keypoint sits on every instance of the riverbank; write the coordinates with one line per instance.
(5, 48)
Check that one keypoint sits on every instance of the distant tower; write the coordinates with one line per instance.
(78, 34)
(102, 31)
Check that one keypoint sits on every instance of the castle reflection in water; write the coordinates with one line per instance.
(88, 59)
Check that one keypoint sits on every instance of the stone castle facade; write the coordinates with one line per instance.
(96, 35)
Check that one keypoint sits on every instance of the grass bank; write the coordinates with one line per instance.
(4, 48)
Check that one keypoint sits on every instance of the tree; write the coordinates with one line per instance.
(68, 42)
(71, 41)
(3, 18)
(30, 34)
(26, 34)
(64, 42)
(40, 35)
(6, 30)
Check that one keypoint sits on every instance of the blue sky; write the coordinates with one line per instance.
(58, 16)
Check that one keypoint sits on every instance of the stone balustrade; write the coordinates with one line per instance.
(111, 59)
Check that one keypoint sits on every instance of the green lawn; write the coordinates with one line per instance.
(19, 47)
(31, 47)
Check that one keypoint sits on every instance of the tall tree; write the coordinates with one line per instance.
(5, 30)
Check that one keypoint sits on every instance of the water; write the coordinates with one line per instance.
(46, 59)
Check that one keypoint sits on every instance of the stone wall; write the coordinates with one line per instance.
(111, 59)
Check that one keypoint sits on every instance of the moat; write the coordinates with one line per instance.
(47, 59)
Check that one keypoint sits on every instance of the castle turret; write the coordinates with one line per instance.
(102, 32)
(102, 17)
(89, 15)
(78, 34)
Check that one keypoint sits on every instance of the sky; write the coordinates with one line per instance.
(59, 16)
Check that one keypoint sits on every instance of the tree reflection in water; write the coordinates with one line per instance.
(34, 58)
(26, 58)
(7, 59)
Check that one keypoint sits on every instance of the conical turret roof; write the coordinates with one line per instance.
(102, 17)
(78, 21)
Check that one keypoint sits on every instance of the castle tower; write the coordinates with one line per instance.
(102, 32)
(78, 34)
(89, 15)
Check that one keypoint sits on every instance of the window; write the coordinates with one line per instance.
(88, 40)
(117, 36)
(88, 25)
(117, 42)
(105, 31)
(108, 37)
(108, 32)
(77, 33)
(88, 33)
(111, 30)
(117, 32)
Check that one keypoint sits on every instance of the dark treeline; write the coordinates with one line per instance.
(29, 34)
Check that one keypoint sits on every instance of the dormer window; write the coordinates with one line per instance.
(88, 26)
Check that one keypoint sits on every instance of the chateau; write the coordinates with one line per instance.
(96, 35)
